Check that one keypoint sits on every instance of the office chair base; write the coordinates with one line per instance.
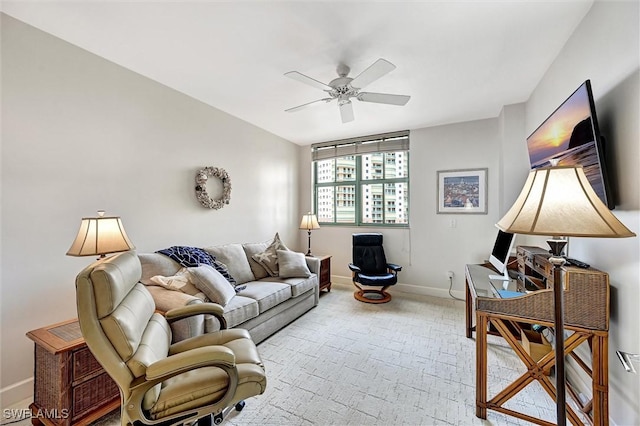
(371, 296)
(219, 418)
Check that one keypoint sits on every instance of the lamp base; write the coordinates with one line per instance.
(309, 244)
(557, 246)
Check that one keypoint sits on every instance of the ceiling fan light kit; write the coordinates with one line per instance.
(344, 88)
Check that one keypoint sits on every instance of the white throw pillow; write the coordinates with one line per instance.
(292, 264)
(212, 283)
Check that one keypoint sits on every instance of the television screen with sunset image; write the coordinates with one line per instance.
(569, 137)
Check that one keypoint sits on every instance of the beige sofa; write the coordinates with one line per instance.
(263, 305)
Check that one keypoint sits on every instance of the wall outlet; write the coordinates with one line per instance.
(450, 274)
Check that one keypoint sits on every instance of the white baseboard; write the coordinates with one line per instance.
(16, 393)
(407, 288)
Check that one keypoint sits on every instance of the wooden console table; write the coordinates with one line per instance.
(586, 294)
(70, 386)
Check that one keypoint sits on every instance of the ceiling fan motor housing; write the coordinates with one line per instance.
(343, 70)
(342, 86)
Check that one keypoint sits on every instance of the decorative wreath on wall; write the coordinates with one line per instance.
(201, 187)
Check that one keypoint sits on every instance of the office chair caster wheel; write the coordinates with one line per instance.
(240, 405)
(217, 419)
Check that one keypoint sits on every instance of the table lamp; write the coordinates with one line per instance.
(559, 202)
(100, 236)
(309, 222)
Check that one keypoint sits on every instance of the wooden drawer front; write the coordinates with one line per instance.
(541, 265)
(92, 394)
(325, 275)
(523, 255)
(84, 364)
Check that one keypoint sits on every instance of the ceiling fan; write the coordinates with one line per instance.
(344, 88)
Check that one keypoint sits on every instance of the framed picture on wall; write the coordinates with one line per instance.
(462, 191)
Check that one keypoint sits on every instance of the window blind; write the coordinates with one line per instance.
(387, 142)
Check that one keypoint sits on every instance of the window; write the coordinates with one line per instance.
(362, 181)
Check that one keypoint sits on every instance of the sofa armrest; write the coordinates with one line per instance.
(214, 309)
(167, 300)
(313, 263)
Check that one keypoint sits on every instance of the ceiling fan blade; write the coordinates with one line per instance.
(308, 80)
(318, 102)
(374, 72)
(383, 98)
(346, 111)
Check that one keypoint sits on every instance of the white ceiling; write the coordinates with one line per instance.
(459, 60)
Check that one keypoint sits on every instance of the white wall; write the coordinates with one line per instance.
(81, 134)
(605, 48)
(433, 245)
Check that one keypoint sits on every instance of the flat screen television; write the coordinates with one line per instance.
(570, 136)
(500, 254)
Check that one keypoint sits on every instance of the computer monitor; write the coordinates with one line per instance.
(500, 254)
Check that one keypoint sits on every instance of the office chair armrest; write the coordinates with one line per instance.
(197, 309)
(394, 267)
(354, 268)
(214, 356)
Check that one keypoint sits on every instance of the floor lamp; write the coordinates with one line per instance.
(559, 202)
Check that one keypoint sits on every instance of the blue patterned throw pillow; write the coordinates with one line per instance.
(191, 257)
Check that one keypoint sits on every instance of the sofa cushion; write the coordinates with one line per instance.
(156, 264)
(240, 309)
(292, 264)
(267, 294)
(254, 248)
(269, 258)
(212, 283)
(298, 285)
(235, 259)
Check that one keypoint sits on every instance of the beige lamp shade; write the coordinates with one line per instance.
(559, 201)
(309, 222)
(99, 236)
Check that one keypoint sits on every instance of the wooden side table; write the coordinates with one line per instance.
(70, 386)
(324, 277)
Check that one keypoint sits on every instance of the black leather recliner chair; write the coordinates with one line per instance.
(372, 275)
